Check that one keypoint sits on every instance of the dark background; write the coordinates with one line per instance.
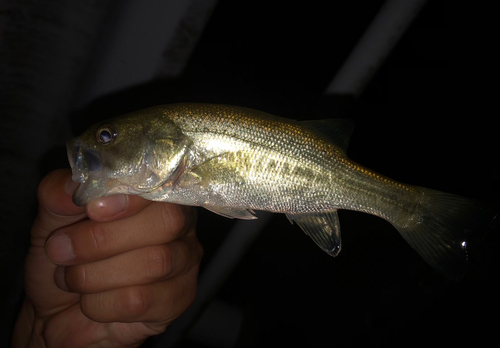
(413, 123)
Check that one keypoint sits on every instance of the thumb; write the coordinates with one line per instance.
(55, 206)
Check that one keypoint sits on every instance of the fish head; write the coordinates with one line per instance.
(132, 154)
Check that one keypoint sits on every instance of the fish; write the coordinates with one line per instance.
(234, 161)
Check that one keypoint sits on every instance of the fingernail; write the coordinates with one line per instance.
(70, 186)
(59, 249)
(108, 206)
(60, 278)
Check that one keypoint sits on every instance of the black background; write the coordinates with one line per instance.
(413, 123)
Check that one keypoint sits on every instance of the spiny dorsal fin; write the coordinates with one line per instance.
(337, 130)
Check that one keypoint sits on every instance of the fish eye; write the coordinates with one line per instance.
(106, 134)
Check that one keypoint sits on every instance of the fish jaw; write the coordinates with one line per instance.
(76, 161)
(89, 191)
(86, 170)
(82, 160)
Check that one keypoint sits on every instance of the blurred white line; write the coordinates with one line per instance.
(383, 33)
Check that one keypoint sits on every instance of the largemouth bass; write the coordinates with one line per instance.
(233, 160)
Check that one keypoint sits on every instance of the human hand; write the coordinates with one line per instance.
(130, 269)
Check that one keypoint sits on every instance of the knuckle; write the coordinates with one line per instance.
(97, 237)
(76, 278)
(136, 302)
(42, 190)
(194, 249)
(173, 218)
(192, 216)
(159, 262)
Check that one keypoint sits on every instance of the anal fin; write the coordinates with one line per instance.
(323, 228)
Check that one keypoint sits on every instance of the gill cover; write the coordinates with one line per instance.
(164, 156)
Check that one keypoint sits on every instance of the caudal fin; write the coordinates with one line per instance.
(443, 229)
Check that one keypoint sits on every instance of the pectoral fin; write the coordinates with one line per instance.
(323, 228)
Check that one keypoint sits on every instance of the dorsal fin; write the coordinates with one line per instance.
(337, 130)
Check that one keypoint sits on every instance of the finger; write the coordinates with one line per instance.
(88, 241)
(160, 302)
(137, 267)
(56, 208)
(115, 207)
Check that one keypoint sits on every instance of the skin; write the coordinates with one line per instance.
(131, 270)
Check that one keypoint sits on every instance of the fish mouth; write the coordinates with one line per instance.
(82, 161)
(85, 164)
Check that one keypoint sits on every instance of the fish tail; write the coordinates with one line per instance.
(444, 227)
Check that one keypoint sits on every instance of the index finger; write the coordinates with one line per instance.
(158, 223)
(55, 205)
(111, 208)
